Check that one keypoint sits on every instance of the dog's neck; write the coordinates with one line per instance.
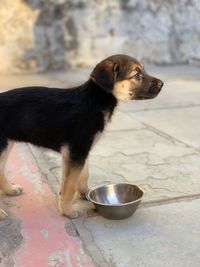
(102, 100)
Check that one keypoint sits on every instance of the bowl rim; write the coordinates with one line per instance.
(113, 205)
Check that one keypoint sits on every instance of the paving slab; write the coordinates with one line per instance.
(182, 124)
(123, 121)
(163, 167)
(162, 236)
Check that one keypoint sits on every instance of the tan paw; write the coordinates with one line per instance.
(3, 214)
(70, 211)
(13, 190)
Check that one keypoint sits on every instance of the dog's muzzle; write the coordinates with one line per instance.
(153, 90)
(155, 87)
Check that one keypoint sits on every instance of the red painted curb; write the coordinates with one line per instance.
(46, 243)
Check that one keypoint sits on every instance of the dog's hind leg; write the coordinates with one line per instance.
(5, 185)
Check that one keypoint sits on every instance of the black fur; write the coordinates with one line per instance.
(52, 117)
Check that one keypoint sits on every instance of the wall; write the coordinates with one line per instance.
(39, 35)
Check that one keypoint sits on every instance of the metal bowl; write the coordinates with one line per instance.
(116, 201)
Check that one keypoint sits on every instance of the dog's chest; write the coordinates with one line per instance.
(107, 117)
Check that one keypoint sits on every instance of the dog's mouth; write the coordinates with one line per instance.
(153, 91)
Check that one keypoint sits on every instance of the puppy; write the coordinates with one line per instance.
(70, 121)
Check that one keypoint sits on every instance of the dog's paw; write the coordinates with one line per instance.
(12, 190)
(71, 211)
(3, 214)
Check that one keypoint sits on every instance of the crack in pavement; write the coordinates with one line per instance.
(89, 243)
(157, 188)
(170, 138)
(115, 154)
(160, 108)
(171, 200)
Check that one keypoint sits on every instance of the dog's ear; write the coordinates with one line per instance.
(104, 74)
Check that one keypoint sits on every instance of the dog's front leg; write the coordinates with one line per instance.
(83, 181)
(70, 177)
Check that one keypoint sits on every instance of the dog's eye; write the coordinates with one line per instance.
(138, 76)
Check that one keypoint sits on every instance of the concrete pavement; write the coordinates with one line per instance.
(154, 144)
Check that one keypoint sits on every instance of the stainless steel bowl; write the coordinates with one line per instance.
(116, 201)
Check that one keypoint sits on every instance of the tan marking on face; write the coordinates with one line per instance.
(123, 90)
(134, 69)
(133, 72)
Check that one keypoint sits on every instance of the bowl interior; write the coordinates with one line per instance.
(116, 194)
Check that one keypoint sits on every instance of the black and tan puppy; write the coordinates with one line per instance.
(70, 120)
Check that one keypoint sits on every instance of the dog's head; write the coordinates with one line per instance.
(125, 78)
